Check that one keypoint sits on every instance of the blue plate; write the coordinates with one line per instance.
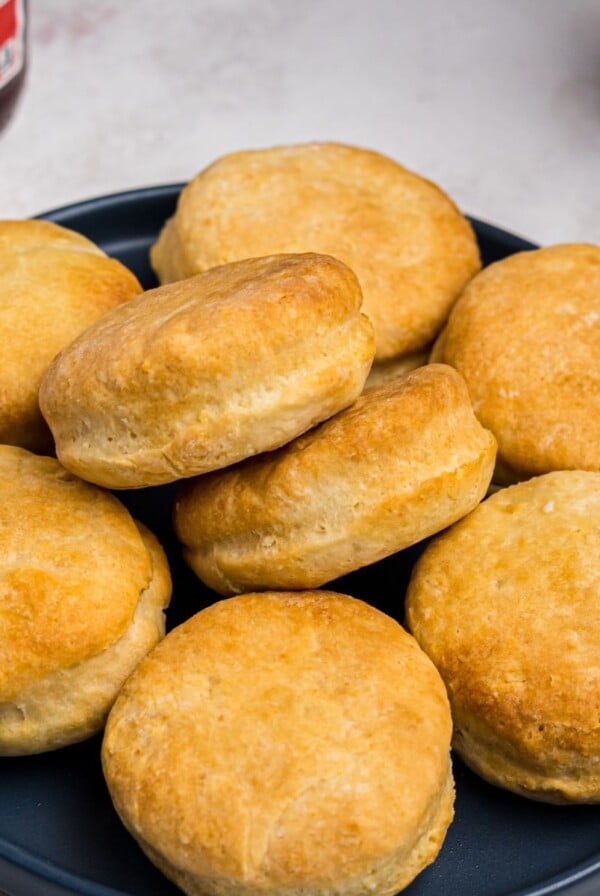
(59, 835)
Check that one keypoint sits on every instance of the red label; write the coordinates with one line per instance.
(12, 31)
(8, 21)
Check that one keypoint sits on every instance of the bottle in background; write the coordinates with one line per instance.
(13, 55)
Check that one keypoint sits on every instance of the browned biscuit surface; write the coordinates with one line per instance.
(507, 605)
(406, 460)
(54, 283)
(311, 739)
(525, 334)
(74, 569)
(200, 374)
(410, 247)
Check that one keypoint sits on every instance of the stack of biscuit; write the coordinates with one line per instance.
(513, 628)
(83, 586)
(280, 371)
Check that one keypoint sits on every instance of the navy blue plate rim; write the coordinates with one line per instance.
(112, 200)
(170, 191)
(27, 874)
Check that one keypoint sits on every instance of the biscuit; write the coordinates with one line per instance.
(199, 374)
(525, 335)
(410, 247)
(83, 592)
(507, 605)
(406, 460)
(54, 283)
(311, 738)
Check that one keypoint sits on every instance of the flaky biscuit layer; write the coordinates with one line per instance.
(507, 605)
(202, 373)
(311, 737)
(410, 247)
(525, 334)
(82, 590)
(54, 283)
(406, 460)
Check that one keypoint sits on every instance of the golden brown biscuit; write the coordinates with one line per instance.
(525, 335)
(200, 374)
(311, 738)
(83, 589)
(410, 247)
(406, 460)
(54, 283)
(507, 605)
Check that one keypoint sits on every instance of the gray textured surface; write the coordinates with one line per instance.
(497, 100)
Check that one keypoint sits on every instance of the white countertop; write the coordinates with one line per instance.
(496, 100)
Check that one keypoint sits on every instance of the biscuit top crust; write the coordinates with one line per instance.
(507, 605)
(72, 567)
(298, 721)
(183, 366)
(54, 283)
(525, 334)
(410, 247)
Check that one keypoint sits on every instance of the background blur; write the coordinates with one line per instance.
(496, 100)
